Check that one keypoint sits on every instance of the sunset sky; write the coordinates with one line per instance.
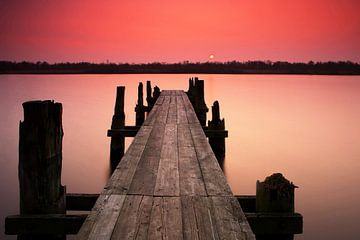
(171, 31)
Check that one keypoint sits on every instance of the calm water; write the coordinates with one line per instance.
(307, 127)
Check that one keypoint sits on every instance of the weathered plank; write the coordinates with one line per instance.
(190, 113)
(181, 111)
(184, 136)
(191, 180)
(122, 177)
(230, 220)
(135, 218)
(145, 176)
(172, 116)
(214, 179)
(106, 219)
(167, 182)
(166, 220)
(198, 218)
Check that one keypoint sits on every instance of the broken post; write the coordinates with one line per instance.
(198, 101)
(40, 159)
(217, 143)
(139, 109)
(117, 145)
(275, 195)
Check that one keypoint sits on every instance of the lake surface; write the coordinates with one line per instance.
(306, 127)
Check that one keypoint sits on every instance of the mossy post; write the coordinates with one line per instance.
(139, 109)
(217, 143)
(117, 145)
(40, 160)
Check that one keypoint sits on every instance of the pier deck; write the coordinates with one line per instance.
(168, 185)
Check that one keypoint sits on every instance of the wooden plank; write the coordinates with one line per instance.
(166, 220)
(106, 219)
(198, 220)
(150, 119)
(184, 136)
(167, 182)
(160, 100)
(145, 176)
(162, 114)
(214, 179)
(181, 111)
(172, 116)
(230, 220)
(191, 180)
(190, 113)
(135, 218)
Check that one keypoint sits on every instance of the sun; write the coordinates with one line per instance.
(211, 56)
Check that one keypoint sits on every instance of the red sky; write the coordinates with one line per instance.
(173, 31)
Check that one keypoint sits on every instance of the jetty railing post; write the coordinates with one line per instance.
(217, 143)
(275, 195)
(117, 145)
(139, 109)
(40, 159)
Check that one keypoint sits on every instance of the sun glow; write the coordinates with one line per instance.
(211, 57)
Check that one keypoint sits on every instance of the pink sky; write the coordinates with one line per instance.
(173, 31)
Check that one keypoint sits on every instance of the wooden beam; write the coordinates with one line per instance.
(130, 131)
(43, 224)
(275, 223)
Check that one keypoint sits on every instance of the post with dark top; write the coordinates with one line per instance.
(40, 159)
(139, 109)
(117, 145)
(217, 143)
(275, 195)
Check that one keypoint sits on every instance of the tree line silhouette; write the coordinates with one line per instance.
(233, 67)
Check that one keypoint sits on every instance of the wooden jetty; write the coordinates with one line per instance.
(168, 184)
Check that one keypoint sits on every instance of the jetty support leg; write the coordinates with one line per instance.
(117, 145)
(40, 159)
(139, 109)
(217, 143)
(149, 98)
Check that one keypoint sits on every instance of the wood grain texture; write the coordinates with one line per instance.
(167, 182)
(135, 218)
(166, 219)
(214, 179)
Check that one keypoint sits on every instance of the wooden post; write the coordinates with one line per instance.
(217, 143)
(117, 145)
(139, 109)
(200, 106)
(40, 159)
(156, 93)
(149, 98)
(275, 195)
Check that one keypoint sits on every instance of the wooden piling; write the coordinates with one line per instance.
(117, 145)
(196, 97)
(149, 98)
(275, 195)
(217, 143)
(139, 109)
(156, 93)
(40, 159)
